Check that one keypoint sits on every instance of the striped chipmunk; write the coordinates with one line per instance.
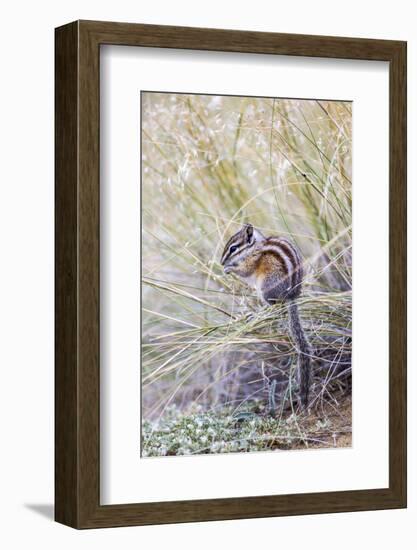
(273, 265)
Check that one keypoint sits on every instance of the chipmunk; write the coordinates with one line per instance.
(273, 265)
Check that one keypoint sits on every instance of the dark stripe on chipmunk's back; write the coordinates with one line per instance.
(292, 256)
(299, 273)
(298, 263)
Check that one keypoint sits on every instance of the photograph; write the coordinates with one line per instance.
(246, 274)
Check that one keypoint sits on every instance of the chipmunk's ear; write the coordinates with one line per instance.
(249, 232)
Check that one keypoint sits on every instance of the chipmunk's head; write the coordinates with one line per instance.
(239, 247)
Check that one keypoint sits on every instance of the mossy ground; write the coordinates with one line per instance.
(252, 429)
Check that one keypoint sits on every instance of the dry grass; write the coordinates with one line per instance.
(210, 163)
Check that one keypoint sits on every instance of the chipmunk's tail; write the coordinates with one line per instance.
(304, 351)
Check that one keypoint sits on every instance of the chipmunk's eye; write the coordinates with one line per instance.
(233, 249)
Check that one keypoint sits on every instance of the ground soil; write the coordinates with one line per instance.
(328, 425)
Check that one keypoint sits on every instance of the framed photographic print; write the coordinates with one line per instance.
(230, 274)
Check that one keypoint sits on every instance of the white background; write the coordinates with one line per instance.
(125, 478)
(26, 299)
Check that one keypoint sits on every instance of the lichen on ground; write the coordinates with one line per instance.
(226, 430)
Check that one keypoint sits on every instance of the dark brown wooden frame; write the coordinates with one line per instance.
(77, 370)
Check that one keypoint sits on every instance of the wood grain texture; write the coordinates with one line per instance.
(66, 237)
(398, 273)
(77, 393)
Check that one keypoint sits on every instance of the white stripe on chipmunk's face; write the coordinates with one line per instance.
(239, 246)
